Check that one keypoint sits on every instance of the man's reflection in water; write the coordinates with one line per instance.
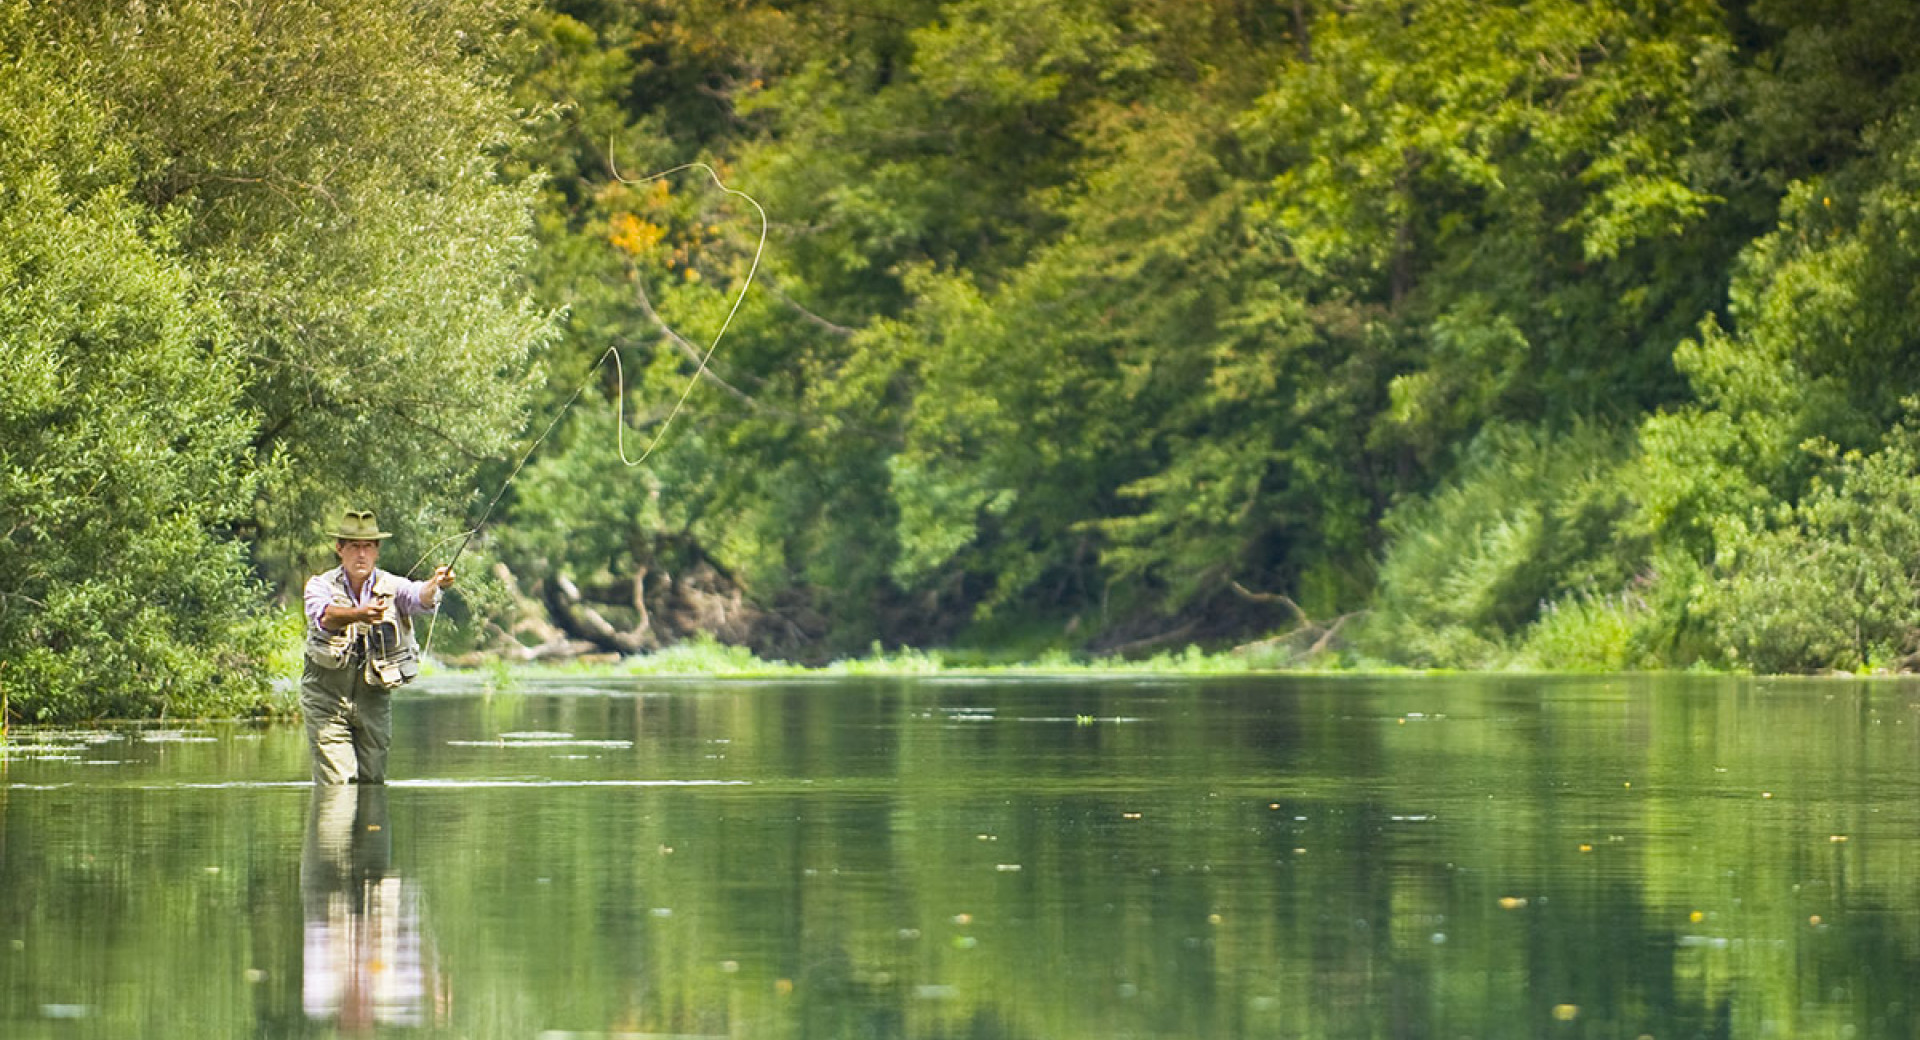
(366, 959)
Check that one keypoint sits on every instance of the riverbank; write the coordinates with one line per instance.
(708, 658)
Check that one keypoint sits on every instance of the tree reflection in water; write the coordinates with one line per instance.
(366, 959)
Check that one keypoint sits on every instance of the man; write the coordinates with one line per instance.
(360, 647)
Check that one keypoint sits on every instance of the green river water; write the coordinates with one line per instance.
(966, 858)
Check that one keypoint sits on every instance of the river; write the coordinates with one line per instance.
(988, 858)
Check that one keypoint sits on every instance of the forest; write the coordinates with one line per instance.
(1533, 334)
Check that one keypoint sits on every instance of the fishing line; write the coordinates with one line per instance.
(620, 375)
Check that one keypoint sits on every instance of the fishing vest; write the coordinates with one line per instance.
(384, 651)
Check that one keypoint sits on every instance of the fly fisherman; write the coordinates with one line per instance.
(360, 647)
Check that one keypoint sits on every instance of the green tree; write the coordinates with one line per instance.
(648, 268)
(335, 171)
(1829, 583)
(1050, 189)
(124, 437)
(1469, 214)
(1805, 382)
(1100, 315)
(255, 259)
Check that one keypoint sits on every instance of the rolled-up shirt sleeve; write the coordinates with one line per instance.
(316, 597)
(408, 598)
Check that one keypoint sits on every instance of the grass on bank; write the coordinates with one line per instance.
(706, 657)
(1587, 636)
(1579, 635)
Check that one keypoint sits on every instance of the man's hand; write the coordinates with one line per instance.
(338, 617)
(430, 596)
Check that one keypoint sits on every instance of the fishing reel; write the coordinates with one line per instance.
(383, 636)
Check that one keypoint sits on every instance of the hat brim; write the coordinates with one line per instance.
(377, 536)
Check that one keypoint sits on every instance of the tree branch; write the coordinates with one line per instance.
(691, 351)
(833, 327)
(1271, 597)
(1322, 634)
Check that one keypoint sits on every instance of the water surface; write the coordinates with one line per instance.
(1271, 857)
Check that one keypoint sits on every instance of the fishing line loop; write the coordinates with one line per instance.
(620, 397)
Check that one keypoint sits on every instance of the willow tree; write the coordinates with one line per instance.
(334, 169)
(124, 438)
(257, 258)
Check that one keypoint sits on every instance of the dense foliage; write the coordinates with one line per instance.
(123, 441)
(1557, 333)
(256, 260)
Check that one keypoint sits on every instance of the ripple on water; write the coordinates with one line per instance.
(540, 739)
(41, 753)
(416, 783)
(53, 745)
(178, 736)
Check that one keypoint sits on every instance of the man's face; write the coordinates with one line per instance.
(357, 557)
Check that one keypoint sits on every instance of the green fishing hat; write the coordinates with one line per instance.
(358, 525)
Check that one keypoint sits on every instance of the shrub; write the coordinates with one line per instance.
(1530, 518)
